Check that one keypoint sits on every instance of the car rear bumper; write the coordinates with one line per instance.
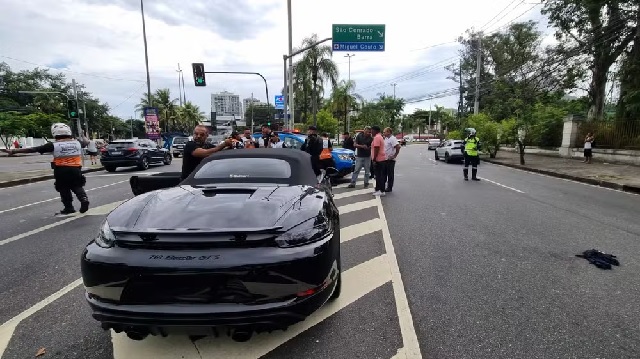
(125, 288)
(118, 162)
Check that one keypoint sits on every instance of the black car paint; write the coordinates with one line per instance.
(190, 258)
(126, 158)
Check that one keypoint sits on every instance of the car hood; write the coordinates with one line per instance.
(187, 207)
(343, 151)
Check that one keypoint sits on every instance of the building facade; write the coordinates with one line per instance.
(226, 104)
(248, 101)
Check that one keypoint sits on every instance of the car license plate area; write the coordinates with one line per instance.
(115, 153)
(195, 288)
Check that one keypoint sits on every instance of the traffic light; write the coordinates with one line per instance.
(198, 74)
(268, 123)
(72, 108)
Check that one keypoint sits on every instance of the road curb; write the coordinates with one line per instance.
(591, 181)
(21, 181)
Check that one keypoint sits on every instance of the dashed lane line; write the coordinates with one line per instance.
(500, 184)
(97, 211)
(57, 198)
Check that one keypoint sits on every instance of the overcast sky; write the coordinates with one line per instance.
(100, 44)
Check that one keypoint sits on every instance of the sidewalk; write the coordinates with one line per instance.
(616, 176)
(27, 168)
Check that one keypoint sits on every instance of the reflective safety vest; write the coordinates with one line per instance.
(67, 154)
(326, 151)
(471, 146)
(277, 144)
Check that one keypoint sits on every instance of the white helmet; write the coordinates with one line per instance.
(472, 131)
(60, 129)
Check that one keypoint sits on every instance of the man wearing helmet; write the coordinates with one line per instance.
(471, 146)
(66, 164)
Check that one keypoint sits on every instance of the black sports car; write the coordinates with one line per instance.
(249, 241)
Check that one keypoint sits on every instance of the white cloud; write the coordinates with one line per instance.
(101, 43)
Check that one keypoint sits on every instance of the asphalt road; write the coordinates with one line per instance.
(440, 268)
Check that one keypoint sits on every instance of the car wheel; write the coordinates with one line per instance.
(175, 155)
(446, 157)
(336, 292)
(110, 168)
(436, 156)
(144, 164)
(167, 160)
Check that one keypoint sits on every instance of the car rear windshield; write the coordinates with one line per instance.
(120, 145)
(245, 168)
(180, 140)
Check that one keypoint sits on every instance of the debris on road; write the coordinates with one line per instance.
(599, 259)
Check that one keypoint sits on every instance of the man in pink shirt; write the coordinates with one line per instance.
(379, 159)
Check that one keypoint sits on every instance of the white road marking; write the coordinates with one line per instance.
(500, 184)
(360, 229)
(372, 184)
(57, 198)
(357, 206)
(7, 329)
(97, 211)
(409, 336)
(125, 174)
(355, 192)
(357, 282)
(564, 179)
(401, 354)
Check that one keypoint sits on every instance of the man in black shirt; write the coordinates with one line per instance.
(196, 150)
(363, 157)
(265, 140)
(313, 146)
(347, 142)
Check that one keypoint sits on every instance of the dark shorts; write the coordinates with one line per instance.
(587, 152)
(474, 161)
(92, 153)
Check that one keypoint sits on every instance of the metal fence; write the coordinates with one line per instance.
(624, 135)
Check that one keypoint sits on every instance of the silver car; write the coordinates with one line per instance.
(433, 143)
(450, 150)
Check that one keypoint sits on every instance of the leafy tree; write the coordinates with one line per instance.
(327, 123)
(599, 29)
(488, 132)
(344, 101)
(262, 113)
(12, 125)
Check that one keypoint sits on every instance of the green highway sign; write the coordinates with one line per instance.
(358, 37)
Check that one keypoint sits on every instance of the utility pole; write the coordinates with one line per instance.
(429, 128)
(461, 101)
(75, 95)
(349, 56)
(84, 112)
(146, 54)
(289, 86)
(252, 104)
(394, 90)
(179, 84)
(476, 105)
(131, 127)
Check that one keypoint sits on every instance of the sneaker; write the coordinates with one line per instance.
(84, 207)
(351, 185)
(376, 193)
(475, 179)
(67, 211)
(388, 190)
(382, 194)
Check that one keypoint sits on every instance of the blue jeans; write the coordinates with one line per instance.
(360, 163)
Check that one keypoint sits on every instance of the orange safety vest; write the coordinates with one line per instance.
(326, 151)
(67, 154)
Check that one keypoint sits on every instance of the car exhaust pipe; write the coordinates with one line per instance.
(136, 335)
(242, 335)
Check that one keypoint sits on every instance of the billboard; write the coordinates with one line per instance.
(279, 102)
(151, 123)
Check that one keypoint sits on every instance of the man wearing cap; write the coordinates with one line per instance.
(313, 146)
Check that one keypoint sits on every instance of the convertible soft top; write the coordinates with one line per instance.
(301, 172)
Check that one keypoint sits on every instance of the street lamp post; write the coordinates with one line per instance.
(349, 56)
(146, 54)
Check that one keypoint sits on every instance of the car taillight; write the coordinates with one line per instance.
(103, 150)
(132, 149)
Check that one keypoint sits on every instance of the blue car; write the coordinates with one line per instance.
(344, 159)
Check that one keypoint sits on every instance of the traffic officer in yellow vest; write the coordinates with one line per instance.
(471, 147)
(66, 164)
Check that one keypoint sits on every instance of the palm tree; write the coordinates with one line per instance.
(343, 100)
(317, 63)
(189, 116)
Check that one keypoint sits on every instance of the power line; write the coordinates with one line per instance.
(498, 14)
(130, 96)
(69, 71)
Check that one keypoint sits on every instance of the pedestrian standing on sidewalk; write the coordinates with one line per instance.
(92, 150)
(66, 164)
(379, 159)
(391, 151)
(362, 144)
(588, 146)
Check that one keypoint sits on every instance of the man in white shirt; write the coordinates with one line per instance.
(391, 151)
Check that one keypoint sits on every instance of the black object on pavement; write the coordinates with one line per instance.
(599, 259)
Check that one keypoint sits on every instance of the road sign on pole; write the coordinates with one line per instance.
(358, 37)
(279, 102)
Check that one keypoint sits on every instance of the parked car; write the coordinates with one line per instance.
(344, 159)
(128, 153)
(177, 146)
(433, 143)
(450, 150)
(249, 241)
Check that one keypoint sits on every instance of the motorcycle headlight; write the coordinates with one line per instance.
(106, 238)
(305, 233)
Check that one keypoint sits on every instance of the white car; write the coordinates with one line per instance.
(450, 150)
